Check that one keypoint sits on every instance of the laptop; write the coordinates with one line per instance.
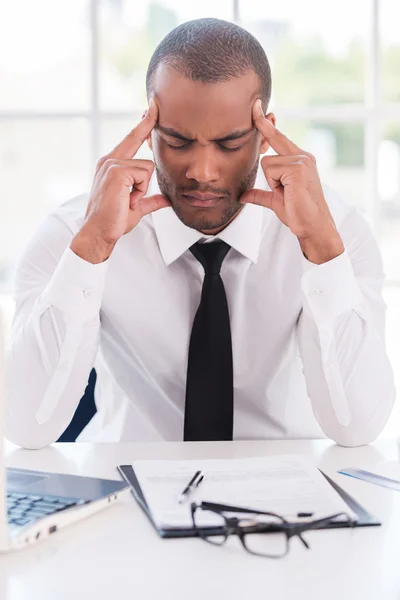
(36, 504)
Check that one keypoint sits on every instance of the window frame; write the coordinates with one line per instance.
(373, 114)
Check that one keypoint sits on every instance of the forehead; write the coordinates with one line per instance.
(205, 109)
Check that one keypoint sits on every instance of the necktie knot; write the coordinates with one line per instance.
(210, 255)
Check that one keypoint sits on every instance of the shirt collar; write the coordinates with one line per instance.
(243, 234)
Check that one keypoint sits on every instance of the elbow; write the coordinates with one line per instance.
(28, 433)
(30, 440)
(360, 432)
(351, 438)
(28, 427)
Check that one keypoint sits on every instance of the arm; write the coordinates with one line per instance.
(341, 333)
(341, 328)
(59, 290)
(54, 338)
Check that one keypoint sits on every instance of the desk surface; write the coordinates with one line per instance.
(116, 553)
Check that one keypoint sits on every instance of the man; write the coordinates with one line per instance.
(243, 301)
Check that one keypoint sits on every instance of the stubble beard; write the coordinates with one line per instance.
(200, 219)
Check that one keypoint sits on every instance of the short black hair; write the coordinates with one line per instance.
(212, 50)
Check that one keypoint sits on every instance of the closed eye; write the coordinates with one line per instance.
(178, 147)
(230, 149)
(224, 148)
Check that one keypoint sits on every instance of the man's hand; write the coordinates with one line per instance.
(117, 199)
(297, 196)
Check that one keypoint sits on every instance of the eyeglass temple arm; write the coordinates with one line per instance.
(301, 527)
(239, 509)
(298, 528)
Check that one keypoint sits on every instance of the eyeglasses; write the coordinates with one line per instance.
(268, 535)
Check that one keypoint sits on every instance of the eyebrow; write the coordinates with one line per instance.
(234, 135)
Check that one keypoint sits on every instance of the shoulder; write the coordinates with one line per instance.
(340, 209)
(71, 213)
(357, 234)
(54, 234)
(348, 220)
(347, 217)
(62, 224)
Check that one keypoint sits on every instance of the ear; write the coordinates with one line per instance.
(264, 143)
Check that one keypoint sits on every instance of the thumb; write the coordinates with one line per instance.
(149, 204)
(254, 196)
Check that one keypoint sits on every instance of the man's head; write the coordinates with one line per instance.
(205, 76)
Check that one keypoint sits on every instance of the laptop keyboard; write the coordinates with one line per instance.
(23, 508)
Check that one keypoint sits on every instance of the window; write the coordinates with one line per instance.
(74, 86)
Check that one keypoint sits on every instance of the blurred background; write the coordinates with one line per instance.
(72, 84)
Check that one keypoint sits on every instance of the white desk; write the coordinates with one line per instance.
(117, 554)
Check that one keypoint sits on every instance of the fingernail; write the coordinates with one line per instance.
(151, 104)
(260, 108)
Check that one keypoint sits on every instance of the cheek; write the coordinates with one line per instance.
(244, 161)
(166, 158)
(254, 150)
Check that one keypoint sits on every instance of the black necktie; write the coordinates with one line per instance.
(209, 385)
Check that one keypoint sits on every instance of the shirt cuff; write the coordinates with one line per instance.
(330, 289)
(76, 287)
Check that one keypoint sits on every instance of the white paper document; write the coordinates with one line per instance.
(283, 484)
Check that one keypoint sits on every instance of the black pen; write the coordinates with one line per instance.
(193, 483)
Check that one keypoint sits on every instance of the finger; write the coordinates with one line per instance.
(149, 204)
(140, 186)
(130, 174)
(132, 142)
(255, 196)
(277, 167)
(107, 162)
(275, 173)
(130, 177)
(277, 140)
(282, 173)
(288, 159)
(271, 200)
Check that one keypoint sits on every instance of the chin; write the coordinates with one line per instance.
(204, 219)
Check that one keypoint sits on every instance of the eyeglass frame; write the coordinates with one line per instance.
(233, 526)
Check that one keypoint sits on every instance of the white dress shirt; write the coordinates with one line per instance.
(308, 340)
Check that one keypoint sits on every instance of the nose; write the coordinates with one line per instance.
(203, 165)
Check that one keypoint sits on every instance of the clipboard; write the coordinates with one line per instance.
(128, 474)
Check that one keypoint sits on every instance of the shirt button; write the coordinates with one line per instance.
(87, 293)
(64, 367)
(315, 292)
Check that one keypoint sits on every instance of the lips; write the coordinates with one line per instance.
(200, 196)
(204, 200)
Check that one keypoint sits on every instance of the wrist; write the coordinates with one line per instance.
(89, 245)
(322, 248)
